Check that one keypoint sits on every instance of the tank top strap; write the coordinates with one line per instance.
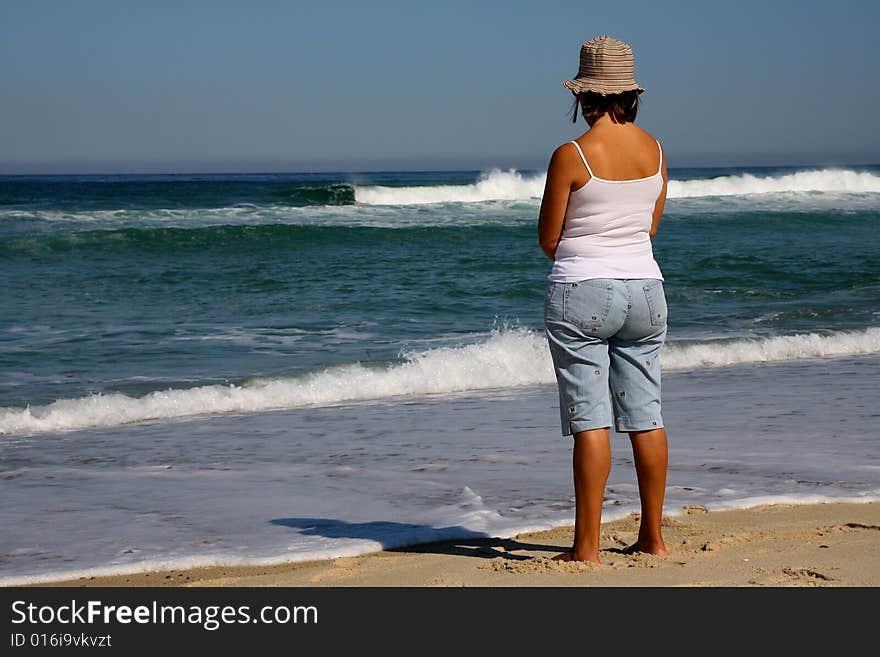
(660, 168)
(583, 159)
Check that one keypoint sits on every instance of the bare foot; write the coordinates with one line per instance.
(570, 555)
(656, 550)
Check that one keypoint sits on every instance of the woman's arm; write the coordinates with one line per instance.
(555, 200)
(660, 203)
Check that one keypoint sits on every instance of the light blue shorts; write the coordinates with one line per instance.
(605, 338)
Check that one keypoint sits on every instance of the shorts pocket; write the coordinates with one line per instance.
(656, 298)
(586, 304)
(552, 302)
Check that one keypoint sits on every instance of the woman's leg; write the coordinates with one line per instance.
(591, 462)
(652, 457)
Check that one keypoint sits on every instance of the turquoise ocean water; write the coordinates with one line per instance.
(162, 305)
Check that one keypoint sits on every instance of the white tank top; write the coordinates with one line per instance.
(607, 226)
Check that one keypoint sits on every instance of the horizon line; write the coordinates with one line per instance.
(462, 169)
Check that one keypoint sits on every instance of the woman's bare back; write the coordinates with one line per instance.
(618, 152)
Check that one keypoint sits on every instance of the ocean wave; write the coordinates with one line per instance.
(498, 196)
(239, 213)
(507, 358)
(513, 185)
(277, 214)
(820, 180)
(720, 353)
(230, 237)
(495, 185)
(321, 195)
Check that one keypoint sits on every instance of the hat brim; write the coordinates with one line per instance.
(579, 85)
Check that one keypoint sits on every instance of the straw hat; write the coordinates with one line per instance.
(606, 67)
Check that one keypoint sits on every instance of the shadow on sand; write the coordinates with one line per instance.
(421, 539)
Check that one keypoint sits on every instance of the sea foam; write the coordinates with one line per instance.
(822, 180)
(492, 186)
(513, 185)
(507, 358)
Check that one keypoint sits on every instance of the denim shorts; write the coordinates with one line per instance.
(605, 337)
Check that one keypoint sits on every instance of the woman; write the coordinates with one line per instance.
(605, 308)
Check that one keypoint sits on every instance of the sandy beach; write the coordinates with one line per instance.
(772, 545)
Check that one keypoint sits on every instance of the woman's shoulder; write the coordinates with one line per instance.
(566, 150)
(566, 156)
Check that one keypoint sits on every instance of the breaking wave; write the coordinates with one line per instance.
(507, 358)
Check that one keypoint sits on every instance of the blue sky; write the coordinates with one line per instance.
(265, 85)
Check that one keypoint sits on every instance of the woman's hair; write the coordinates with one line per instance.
(622, 107)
